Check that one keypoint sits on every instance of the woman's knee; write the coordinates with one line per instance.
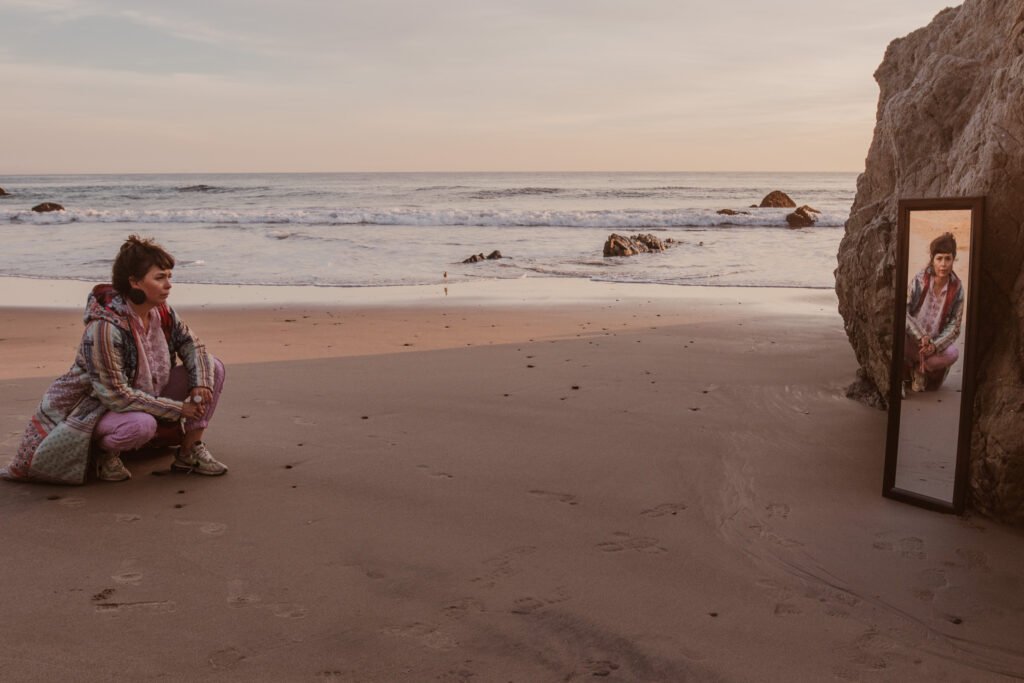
(219, 373)
(130, 434)
(946, 358)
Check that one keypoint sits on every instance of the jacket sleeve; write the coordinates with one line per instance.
(110, 383)
(951, 325)
(913, 297)
(192, 352)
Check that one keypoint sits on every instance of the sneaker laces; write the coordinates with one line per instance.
(200, 454)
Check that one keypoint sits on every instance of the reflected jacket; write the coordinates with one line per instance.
(56, 444)
(952, 308)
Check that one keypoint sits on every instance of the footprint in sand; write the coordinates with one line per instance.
(567, 498)
(238, 598)
(868, 653)
(933, 578)
(127, 517)
(502, 566)
(425, 634)
(910, 547)
(130, 578)
(624, 541)
(600, 667)
(227, 658)
(929, 582)
(461, 608)
(526, 605)
(777, 510)
(664, 509)
(303, 421)
(435, 474)
(975, 559)
(288, 610)
(72, 502)
(150, 606)
(784, 609)
(529, 604)
(207, 528)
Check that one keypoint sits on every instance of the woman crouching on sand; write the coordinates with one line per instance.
(935, 311)
(124, 380)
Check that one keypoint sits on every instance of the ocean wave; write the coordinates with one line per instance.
(516, 192)
(616, 219)
(215, 189)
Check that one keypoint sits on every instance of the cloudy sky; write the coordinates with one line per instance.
(474, 85)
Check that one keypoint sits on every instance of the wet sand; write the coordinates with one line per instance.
(623, 486)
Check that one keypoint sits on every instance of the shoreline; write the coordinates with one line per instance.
(45, 293)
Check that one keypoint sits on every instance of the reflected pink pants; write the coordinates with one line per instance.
(132, 430)
(937, 361)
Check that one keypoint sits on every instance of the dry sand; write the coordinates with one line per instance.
(633, 487)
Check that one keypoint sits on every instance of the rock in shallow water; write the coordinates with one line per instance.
(803, 217)
(949, 125)
(46, 207)
(620, 245)
(777, 200)
(476, 258)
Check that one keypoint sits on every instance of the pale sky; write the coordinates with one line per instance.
(118, 86)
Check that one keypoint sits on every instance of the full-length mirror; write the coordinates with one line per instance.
(932, 369)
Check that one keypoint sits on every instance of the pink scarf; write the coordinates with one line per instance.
(154, 357)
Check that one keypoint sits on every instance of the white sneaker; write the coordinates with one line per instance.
(920, 382)
(110, 468)
(198, 460)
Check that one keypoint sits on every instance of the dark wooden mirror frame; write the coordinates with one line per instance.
(976, 205)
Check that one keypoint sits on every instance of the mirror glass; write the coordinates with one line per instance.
(929, 419)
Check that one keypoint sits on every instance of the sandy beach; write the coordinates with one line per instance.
(543, 481)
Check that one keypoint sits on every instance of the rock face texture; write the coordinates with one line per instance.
(950, 123)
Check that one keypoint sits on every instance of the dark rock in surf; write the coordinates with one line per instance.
(476, 258)
(620, 245)
(777, 200)
(46, 207)
(804, 217)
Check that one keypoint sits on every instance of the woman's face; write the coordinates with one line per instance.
(156, 284)
(942, 264)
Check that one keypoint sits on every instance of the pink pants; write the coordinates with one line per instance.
(132, 430)
(935, 362)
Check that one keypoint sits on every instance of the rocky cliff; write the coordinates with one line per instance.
(950, 122)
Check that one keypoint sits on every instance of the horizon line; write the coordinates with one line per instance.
(116, 173)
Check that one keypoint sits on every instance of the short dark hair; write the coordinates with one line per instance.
(134, 260)
(943, 244)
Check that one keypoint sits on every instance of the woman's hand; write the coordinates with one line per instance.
(206, 396)
(191, 410)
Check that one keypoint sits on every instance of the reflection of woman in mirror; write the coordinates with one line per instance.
(935, 310)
